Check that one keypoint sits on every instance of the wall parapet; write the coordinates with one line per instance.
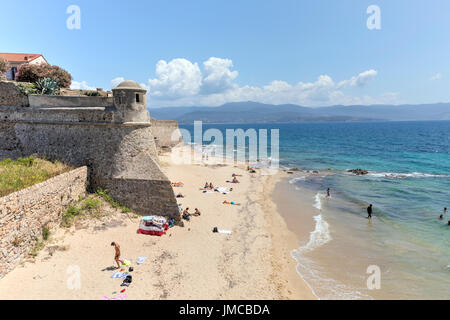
(24, 213)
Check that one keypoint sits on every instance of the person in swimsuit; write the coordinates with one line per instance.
(117, 254)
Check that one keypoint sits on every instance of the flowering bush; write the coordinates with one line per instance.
(35, 72)
(4, 65)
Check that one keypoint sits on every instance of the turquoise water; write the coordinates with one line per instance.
(408, 184)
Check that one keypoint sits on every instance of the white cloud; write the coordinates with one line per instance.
(176, 79)
(217, 75)
(81, 86)
(360, 80)
(180, 82)
(437, 76)
(116, 81)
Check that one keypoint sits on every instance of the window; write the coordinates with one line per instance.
(13, 73)
(138, 98)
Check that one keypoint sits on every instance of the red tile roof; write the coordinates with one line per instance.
(20, 57)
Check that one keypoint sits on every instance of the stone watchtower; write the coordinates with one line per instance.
(131, 102)
(112, 136)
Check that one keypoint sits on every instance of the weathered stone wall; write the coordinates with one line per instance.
(117, 145)
(10, 95)
(166, 133)
(23, 214)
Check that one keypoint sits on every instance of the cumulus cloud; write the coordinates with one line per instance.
(217, 75)
(81, 86)
(360, 80)
(181, 82)
(435, 77)
(176, 79)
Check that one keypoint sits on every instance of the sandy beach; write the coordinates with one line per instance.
(190, 262)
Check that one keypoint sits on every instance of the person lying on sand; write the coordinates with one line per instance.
(232, 203)
(177, 184)
(117, 254)
(236, 175)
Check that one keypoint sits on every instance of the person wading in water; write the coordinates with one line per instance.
(369, 211)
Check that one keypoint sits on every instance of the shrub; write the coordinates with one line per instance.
(27, 88)
(47, 86)
(45, 233)
(115, 204)
(34, 72)
(92, 93)
(90, 204)
(69, 215)
(4, 65)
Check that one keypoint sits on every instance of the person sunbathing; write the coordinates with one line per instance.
(177, 184)
(206, 185)
(236, 175)
(197, 212)
(180, 195)
(211, 187)
(186, 214)
(232, 203)
(235, 180)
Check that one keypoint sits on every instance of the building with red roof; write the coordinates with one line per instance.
(17, 59)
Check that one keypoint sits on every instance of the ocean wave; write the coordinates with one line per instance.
(317, 203)
(397, 175)
(294, 180)
(320, 236)
(321, 286)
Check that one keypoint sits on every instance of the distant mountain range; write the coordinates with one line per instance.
(253, 112)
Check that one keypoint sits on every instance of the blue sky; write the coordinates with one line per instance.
(211, 52)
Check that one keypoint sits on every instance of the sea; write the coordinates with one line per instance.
(403, 252)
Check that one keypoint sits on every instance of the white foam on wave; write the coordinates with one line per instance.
(321, 286)
(294, 180)
(317, 203)
(397, 175)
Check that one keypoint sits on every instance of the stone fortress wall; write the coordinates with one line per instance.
(24, 214)
(166, 133)
(112, 136)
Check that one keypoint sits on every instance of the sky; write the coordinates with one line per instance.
(210, 52)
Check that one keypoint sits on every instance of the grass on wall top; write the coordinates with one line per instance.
(22, 173)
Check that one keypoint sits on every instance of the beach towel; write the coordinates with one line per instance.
(224, 231)
(119, 275)
(141, 260)
(222, 190)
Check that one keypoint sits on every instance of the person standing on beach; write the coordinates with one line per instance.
(117, 254)
(369, 211)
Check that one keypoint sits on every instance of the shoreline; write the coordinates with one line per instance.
(253, 262)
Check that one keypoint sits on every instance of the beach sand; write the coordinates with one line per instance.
(189, 262)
